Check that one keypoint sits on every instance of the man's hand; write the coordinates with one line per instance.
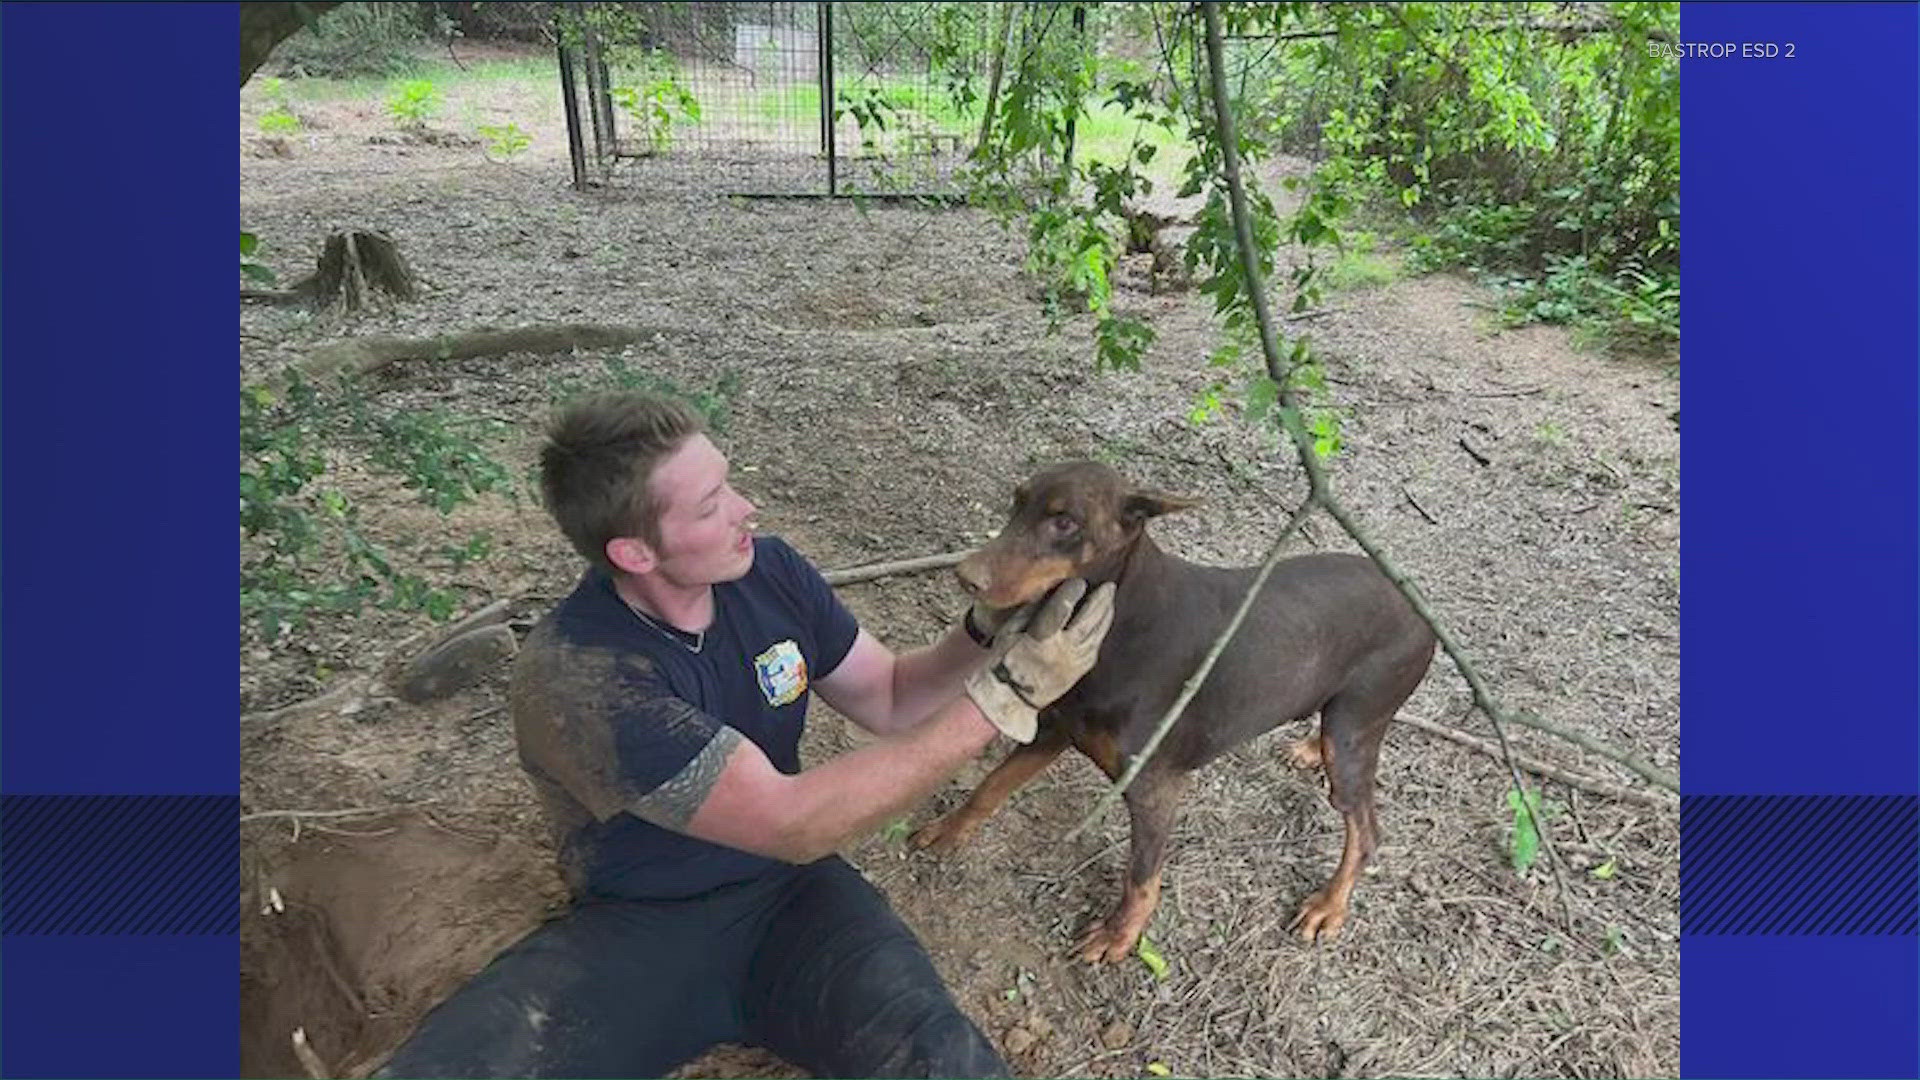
(1042, 660)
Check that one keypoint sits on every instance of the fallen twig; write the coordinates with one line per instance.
(1415, 503)
(344, 698)
(356, 811)
(1524, 391)
(1540, 768)
(357, 356)
(901, 566)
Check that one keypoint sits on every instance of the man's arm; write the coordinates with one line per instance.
(887, 693)
(731, 794)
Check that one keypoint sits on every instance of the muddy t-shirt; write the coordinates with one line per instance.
(607, 707)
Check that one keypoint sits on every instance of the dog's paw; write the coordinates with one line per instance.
(943, 836)
(1321, 916)
(1304, 753)
(1109, 941)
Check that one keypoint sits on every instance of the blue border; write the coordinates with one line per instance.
(1799, 455)
(117, 450)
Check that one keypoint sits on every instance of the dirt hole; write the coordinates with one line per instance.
(372, 929)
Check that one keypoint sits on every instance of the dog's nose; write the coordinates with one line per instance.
(973, 578)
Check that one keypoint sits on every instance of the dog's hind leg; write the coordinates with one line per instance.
(1304, 752)
(1151, 803)
(1350, 732)
(1026, 762)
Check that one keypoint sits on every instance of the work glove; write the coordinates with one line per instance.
(983, 624)
(1038, 659)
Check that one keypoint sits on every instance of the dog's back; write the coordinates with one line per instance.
(1323, 624)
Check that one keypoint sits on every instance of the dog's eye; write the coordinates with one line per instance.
(1062, 525)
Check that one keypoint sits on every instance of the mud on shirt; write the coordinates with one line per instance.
(607, 707)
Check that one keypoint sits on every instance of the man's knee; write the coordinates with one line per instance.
(888, 1014)
(948, 1044)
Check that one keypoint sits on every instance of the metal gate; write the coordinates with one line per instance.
(781, 98)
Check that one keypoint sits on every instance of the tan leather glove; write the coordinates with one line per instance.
(983, 623)
(1042, 659)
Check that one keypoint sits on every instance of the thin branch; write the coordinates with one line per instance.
(1228, 139)
(1539, 768)
(1651, 774)
(345, 698)
(1415, 503)
(902, 566)
(357, 811)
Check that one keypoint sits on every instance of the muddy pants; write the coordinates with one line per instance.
(808, 962)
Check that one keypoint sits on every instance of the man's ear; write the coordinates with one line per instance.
(1140, 505)
(631, 554)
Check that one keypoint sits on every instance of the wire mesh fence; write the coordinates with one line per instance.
(785, 98)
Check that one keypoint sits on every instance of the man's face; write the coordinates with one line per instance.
(706, 528)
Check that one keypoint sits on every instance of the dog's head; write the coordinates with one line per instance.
(1078, 519)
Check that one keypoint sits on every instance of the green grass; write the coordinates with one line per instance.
(1107, 135)
(443, 73)
(798, 104)
(1361, 267)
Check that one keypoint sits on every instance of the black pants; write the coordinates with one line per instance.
(808, 962)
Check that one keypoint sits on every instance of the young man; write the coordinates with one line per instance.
(658, 711)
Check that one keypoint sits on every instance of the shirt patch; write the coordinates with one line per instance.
(783, 673)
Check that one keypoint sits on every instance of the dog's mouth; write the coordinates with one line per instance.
(1005, 592)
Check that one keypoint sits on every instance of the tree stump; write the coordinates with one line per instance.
(357, 268)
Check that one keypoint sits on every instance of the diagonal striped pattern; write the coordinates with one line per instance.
(119, 864)
(1799, 864)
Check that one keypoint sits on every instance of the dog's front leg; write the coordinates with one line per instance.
(1026, 762)
(1151, 805)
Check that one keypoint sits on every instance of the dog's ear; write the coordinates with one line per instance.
(1140, 504)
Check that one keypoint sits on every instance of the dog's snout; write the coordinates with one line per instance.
(973, 577)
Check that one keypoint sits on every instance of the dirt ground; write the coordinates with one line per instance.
(888, 377)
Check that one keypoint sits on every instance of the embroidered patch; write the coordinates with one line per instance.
(783, 673)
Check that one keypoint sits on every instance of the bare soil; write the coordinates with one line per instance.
(888, 377)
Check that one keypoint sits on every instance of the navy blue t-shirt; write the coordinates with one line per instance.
(607, 707)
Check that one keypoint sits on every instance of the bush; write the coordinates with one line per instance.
(353, 40)
(1518, 150)
(304, 549)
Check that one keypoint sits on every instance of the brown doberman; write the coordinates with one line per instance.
(1329, 634)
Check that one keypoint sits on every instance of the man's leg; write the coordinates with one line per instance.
(841, 988)
(608, 989)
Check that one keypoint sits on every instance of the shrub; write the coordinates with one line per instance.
(353, 40)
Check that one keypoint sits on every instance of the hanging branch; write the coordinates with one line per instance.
(1303, 446)
(1319, 494)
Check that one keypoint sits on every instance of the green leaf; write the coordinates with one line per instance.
(256, 272)
(1262, 394)
(1525, 846)
(1616, 940)
(248, 242)
(1604, 871)
(1158, 1069)
(1150, 956)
